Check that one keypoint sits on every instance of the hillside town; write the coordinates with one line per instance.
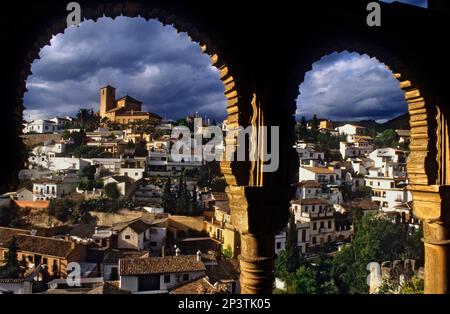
(103, 208)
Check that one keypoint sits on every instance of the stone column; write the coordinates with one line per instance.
(431, 205)
(257, 263)
(437, 257)
(258, 213)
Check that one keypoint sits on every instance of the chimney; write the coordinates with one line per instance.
(177, 251)
(199, 256)
(96, 230)
(33, 232)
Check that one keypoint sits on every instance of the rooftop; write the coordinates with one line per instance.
(35, 244)
(160, 265)
(198, 286)
(308, 184)
(319, 170)
(138, 225)
(310, 201)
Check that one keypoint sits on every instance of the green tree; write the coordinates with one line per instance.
(415, 286)
(183, 197)
(303, 281)
(10, 269)
(292, 251)
(280, 265)
(112, 191)
(388, 138)
(377, 239)
(168, 201)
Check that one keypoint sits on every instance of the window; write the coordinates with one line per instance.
(127, 237)
(329, 224)
(314, 226)
(371, 183)
(185, 277)
(135, 174)
(166, 278)
(392, 185)
(278, 245)
(322, 224)
(314, 240)
(303, 235)
(378, 183)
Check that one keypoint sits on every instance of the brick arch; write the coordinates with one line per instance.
(134, 9)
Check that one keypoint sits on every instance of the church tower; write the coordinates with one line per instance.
(107, 99)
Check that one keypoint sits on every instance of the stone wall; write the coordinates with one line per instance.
(31, 140)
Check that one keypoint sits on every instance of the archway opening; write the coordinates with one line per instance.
(90, 152)
(352, 206)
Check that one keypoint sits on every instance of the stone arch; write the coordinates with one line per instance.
(137, 9)
(423, 162)
(427, 163)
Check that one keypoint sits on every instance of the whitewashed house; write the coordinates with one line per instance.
(154, 275)
(316, 223)
(40, 126)
(124, 183)
(321, 175)
(50, 188)
(357, 149)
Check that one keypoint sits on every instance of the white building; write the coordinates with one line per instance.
(388, 192)
(388, 179)
(40, 126)
(315, 219)
(351, 129)
(158, 274)
(308, 155)
(390, 161)
(58, 163)
(124, 183)
(322, 175)
(61, 122)
(55, 187)
(357, 149)
(308, 189)
(49, 150)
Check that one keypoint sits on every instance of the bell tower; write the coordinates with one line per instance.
(107, 99)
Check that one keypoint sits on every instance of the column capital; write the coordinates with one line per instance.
(431, 203)
(259, 210)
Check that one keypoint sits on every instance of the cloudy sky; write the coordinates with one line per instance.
(168, 72)
(420, 3)
(148, 61)
(349, 86)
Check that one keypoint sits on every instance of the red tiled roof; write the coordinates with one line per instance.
(34, 244)
(160, 265)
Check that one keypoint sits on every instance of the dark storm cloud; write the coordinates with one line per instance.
(349, 86)
(146, 60)
(419, 3)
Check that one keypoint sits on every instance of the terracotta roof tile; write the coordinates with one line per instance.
(34, 244)
(160, 265)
